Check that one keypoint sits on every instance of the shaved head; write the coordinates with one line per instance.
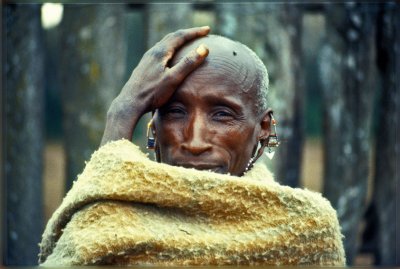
(221, 102)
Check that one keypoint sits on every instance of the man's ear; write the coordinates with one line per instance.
(157, 148)
(265, 124)
(154, 115)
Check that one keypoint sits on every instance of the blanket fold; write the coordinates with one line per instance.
(125, 209)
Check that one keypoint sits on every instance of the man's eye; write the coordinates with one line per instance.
(175, 111)
(223, 115)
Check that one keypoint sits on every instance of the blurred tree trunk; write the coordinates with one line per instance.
(163, 19)
(92, 68)
(290, 156)
(23, 138)
(135, 24)
(346, 73)
(273, 31)
(387, 180)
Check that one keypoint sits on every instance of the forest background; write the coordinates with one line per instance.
(334, 89)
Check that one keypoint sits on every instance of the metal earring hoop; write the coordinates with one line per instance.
(272, 140)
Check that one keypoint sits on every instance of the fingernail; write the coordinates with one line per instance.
(202, 50)
(206, 27)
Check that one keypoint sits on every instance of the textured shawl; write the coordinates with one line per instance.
(125, 209)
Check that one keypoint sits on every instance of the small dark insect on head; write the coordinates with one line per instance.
(234, 53)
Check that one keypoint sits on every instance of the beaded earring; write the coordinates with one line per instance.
(249, 165)
(151, 141)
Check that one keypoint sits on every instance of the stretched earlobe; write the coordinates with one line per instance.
(265, 124)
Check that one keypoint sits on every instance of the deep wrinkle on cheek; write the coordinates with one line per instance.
(231, 128)
(237, 162)
(232, 134)
(169, 138)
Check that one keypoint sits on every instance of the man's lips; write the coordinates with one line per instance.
(200, 166)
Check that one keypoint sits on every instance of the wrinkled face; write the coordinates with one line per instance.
(210, 123)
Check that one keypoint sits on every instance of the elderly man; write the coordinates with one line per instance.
(204, 201)
(200, 116)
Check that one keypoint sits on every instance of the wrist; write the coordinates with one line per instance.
(128, 107)
(122, 118)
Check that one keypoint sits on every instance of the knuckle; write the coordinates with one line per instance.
(148, 52)
(189, 60)
(159, 52)
(168, 36)
(171, 79)
(179, 34)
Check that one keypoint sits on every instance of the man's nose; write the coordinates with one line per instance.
(195, 136)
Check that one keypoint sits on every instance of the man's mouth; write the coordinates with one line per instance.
(202, 166)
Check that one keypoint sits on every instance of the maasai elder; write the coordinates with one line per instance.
(208, 96)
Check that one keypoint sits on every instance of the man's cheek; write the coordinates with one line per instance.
(235, 138)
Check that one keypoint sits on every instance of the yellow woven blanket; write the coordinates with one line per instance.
(125, 209)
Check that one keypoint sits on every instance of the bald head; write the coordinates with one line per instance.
(246, 70)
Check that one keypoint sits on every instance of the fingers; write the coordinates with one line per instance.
(176, 39)
(187, 64)
(173, 41)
